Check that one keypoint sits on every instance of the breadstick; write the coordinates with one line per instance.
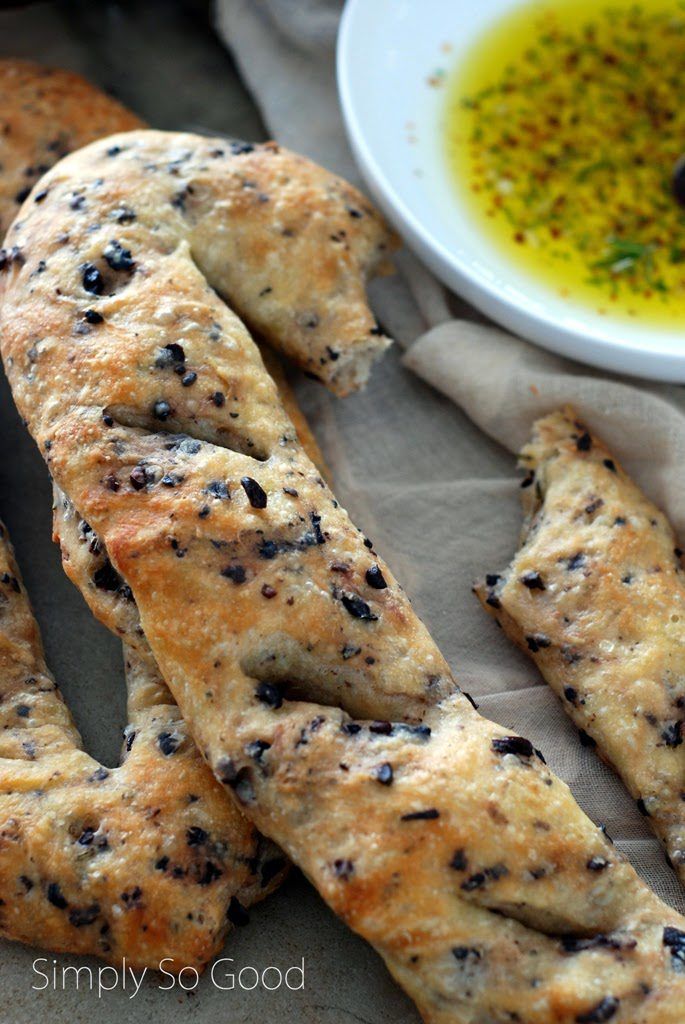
(315, 693)
(596, 597)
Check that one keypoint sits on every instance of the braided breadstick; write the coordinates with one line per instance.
(137, 861)
(444, 841)
(595, 596)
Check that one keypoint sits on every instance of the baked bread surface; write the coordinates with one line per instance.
(310, 685)
(46, 113)
(147, 861)
(596, 597)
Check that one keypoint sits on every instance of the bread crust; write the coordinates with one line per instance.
(46, 113)
(596, 597)
(316, 694)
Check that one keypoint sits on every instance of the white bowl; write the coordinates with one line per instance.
(387, 51)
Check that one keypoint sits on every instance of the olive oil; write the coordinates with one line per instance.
(565, 125)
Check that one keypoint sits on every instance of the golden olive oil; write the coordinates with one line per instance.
(565, 124)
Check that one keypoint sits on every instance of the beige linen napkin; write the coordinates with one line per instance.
(438, 495)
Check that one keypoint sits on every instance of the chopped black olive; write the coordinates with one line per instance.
(375, 578)
(537, 642)
(476, 881)
(584, 442)
(269, 694)
(610, 465)
(571, 694)
(80, 917)
(91, 316)
(161, 410)
(597, 864)
(55, 896)
(601, 1013)
(239, 147)
(256, 495)
(384, 774)
(196, 836)
(672, 734)
(532, 580)
(256, 749)
(513, 745)
(459, 861)
(218, 399)
(358, 608)
(351, 728)
(464, 953)
(168, 743)
(234, 572)
(429, 815)
(218, 489)
(316, 524)
(291, 491)
(117, 257)
(92, 279)
(674, 939)
(343, 869)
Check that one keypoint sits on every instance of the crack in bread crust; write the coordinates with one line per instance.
(316, 694)
(596, 597)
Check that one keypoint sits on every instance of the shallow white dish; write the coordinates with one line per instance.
(388, 50)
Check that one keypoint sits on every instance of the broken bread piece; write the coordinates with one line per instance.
(596, 596)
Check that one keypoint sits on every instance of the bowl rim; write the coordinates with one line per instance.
(585, 342)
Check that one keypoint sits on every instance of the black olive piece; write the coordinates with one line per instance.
(358, 608)
(532, 580)
(459, 861)
(117, 257)
(92, 316)
(584, 442)
(375, 578)
(343, 868)
(196, 836)
(92, 279)
(168, 743)
(56, 897)
(234, 572)
(600, 1013)
(428, 815)
(674, 939)
(256, 495)
(218, 399)
(80, 917)
(239, 147)
(513, 745)
(161, 410)
(384, 774)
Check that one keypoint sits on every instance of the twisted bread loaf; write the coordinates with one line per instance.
(137, 861)
(443, 840)
(596, 597)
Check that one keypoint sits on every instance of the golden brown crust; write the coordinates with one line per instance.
(46, 113)
(137, 861)
(437, 836)
(596, 596)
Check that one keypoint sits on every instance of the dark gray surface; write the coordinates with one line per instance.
(162, 60)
